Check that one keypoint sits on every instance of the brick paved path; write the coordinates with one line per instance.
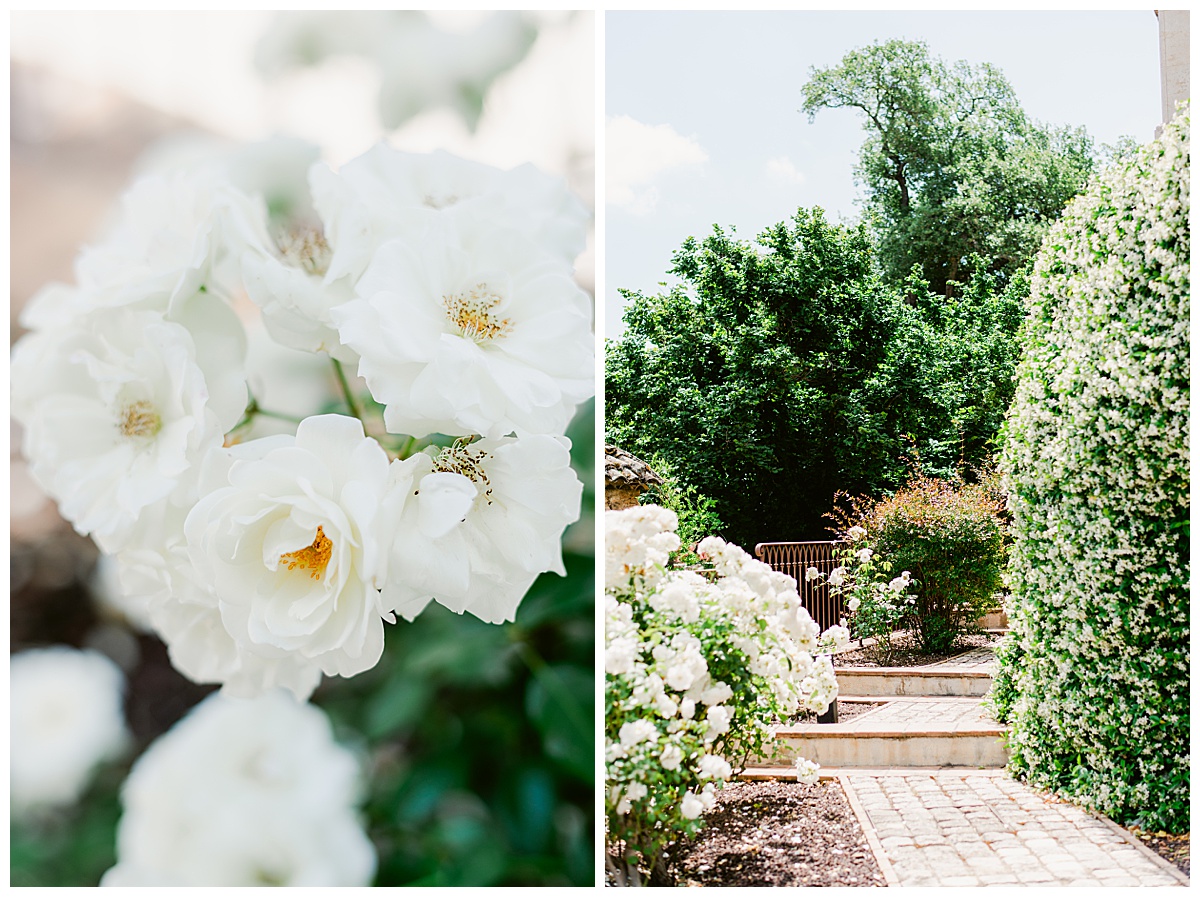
(975, 659)
(952, 827)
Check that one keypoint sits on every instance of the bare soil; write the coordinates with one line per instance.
(778, 834)
(847, 710)
(905, 652)
(1175, 849)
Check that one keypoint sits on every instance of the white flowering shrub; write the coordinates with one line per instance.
(876, 602)
(244, 792)
(66, 718)
(1095, 683)
(268, 546)
(698, 666)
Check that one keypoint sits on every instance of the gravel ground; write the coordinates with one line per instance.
(778, 834)
(847, 710)
(905, 654)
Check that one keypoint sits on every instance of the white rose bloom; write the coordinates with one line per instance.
(855, 533)
(807, 772)
(671, 757)
(637, 731)
(837, 578)
(812, 573)
(713, 767)
(287, 281)
(864, 555)
(478, 331)
(718, 722)
(853, 603)
(385, 194)
(120, 406)
(244, 793)
(66, 717)
(692, 806)
(475, 526)
(174, 235)
(287, 538)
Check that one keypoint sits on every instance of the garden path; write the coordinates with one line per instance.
(942, 823)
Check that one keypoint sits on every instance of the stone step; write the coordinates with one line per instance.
(906, 732)
(913, 681)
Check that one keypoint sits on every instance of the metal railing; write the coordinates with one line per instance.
(794, 559)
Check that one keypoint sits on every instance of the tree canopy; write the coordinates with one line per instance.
(952, 165)
(783, 370)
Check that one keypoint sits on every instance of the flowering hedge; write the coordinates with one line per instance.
(1095, 681)
(697, 667)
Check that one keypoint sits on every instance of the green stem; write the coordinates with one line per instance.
(351, 402)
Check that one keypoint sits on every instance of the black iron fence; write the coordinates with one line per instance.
(794, 559)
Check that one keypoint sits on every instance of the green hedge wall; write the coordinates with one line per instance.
(1095, 681)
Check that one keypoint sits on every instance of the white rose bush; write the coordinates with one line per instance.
(698, 666)
(293, 417)
(274, 560)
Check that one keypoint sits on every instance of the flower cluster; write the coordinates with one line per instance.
(1096, 681)
(876, 605)
(268, 558)
(66, 718)
(698, 665)
(244, 793)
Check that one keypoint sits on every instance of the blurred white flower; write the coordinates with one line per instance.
(385, 194)
(244, 793)
(812, 573)
(864, 555)
(713, 767)
(473, 527)
(855, 533)
(286, 538)
(66, 717)
(692, 806)
(838, 577)
(422, 66)
(175, 235)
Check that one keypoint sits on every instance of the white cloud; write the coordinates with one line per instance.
(781, 169)
(637, 154)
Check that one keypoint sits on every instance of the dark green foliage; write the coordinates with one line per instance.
(697, 513)
(782, 371)
(952, 166)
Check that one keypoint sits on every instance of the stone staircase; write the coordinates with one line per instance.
(929, 717)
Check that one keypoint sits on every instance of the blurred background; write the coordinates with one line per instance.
(478, 740)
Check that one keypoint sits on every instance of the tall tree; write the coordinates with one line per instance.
(952, 165)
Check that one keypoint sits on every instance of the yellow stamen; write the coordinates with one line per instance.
(139, 419)
(471, 312)
(459, 459)
(314, 558)
(304, 246)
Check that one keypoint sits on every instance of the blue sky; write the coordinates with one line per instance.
(704, 128)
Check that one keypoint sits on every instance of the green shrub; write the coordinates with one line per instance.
(697, 514)
(950, 537)
(1096, 685)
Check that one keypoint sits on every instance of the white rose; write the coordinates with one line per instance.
(811, 574)
(807, 772)
(120, 406)
(244, 793)
(692, 806)
(671, 757)
(864, 555)
(473, 527)
(384, 194)
(287, 538)
(838, 577)
(713, 767)
(477, 331)
(66, 717)
(637, 731)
